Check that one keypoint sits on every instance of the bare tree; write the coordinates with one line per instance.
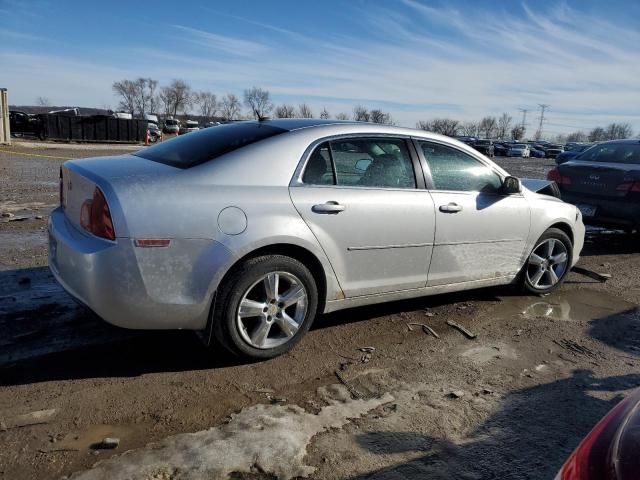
(127, 91)
(504, 126)
(469, 129)
(618, 131)
(285, 111)
(517, 132)
(230, 107)
(488, 126)
(43, 102)
(324, 114)
(378, 116)
(361, 113)
(141, 100)
(577, 137)
(598, 134)
(443, 126)
(304, 111)
(176, 97)
(154, 101)
(207, 102)
(258, 101)
(342, 116)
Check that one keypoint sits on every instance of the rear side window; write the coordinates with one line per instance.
(612, 153)
(205, 145)
(370, 162)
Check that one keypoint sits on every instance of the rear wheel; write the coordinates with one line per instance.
(265, 307)
(548, 263)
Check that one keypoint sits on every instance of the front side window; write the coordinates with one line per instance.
(367, 162)
(454, 170)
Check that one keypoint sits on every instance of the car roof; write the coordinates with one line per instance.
(297, 123)
(626, 141)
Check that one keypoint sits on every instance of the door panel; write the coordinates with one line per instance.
(381, 240)
(484, 239)
(480, 232)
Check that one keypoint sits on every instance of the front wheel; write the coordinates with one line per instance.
(548, 263)
(265, 307)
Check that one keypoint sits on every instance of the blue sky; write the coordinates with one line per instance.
(417, 59)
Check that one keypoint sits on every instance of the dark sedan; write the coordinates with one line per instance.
(610, 450)
(484, 146)
(604, 183)
(571, 153)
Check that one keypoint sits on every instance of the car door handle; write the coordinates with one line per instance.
(330, 207)
(451, 208)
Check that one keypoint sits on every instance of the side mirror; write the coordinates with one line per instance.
(511, 185)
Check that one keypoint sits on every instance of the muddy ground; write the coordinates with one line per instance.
(511, 403)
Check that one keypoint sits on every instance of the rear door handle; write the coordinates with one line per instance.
(451, 208)
(329, 208)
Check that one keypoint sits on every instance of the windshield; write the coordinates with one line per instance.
(483, 142)
(612, 153)
(171, 122)
(519, 145)
(204, 145)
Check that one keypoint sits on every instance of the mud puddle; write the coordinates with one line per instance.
(563, 305)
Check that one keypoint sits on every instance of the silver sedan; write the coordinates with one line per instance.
(247, 231)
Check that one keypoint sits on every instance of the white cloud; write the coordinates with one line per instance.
(418, 62)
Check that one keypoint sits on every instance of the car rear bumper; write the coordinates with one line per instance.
(132, 287)
(608, 213)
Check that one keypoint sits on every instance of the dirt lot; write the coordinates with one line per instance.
(511, 403)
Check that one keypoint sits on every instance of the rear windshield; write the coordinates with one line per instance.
(204, 145)
(612, 153)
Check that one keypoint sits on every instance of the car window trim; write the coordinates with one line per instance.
(296, 180)
(429, 178)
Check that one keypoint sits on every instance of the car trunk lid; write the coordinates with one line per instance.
(80, 178)
(599, 179)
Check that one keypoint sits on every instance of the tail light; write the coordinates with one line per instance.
(591, 460)
(629, 185)
(555, 176)
(95, 216)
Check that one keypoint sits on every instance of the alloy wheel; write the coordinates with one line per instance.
(272, 310)
(547, 264)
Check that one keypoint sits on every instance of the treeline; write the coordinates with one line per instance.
(143, 95)
(504, 128)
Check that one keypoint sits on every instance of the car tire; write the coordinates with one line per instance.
(245, 308)
(545, 271)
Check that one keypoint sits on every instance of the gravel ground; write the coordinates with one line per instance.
(540, 373)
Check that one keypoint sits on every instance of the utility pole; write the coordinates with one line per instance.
(524, 117)
(543, 107)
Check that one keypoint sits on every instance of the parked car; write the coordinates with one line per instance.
(154, 132)
(604, 183)
(610, 450)
(250, 229)
(518, 150)
(499, 149)
(171, 126)
(569, 154)
(21, 123)
(123, 115)
(188, 127)
(469, 140)
(552, 150)
(485, 146)
(534, 152)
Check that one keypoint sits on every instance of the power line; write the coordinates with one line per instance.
(543, 107)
